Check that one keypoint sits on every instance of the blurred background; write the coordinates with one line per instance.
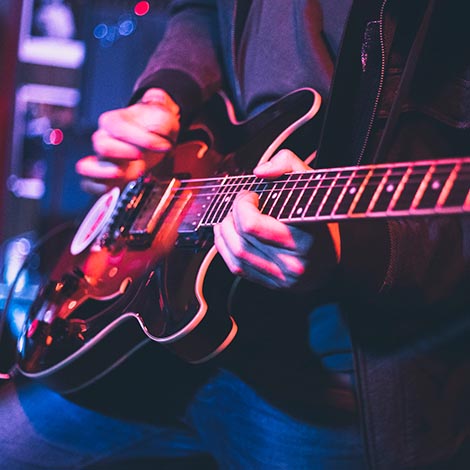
(62, 63)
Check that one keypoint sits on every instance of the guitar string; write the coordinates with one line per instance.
(343, 181)
(334, 172)
(230, 179)
(215, 212)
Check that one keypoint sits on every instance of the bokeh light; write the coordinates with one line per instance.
(141, 8)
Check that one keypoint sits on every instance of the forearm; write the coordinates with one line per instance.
(185, 63)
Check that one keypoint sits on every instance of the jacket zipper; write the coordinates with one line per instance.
(369, 130)
(381, 82)
(359, 383)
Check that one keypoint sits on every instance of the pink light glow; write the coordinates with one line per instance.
(141, 8)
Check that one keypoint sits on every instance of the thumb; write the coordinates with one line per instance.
(285, 161)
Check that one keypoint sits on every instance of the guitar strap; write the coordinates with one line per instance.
(405, 83)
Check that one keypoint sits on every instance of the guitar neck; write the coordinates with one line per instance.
(372, 191)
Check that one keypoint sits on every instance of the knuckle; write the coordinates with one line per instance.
(249, 226)
(238, 251)
(284, 155)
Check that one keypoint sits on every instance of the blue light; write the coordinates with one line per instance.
(111, 37)
(126, 27)
(100, 31)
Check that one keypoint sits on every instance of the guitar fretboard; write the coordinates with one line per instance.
(388, 190)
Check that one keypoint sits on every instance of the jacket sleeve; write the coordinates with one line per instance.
(185, 62)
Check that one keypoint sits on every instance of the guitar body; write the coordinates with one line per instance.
(138, 269)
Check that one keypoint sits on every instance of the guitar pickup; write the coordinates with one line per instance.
(152, 207)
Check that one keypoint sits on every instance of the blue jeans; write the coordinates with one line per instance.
(225, 418)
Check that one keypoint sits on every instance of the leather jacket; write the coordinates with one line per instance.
(403, 284)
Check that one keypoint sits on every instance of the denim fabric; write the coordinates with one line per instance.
(39, 429)
(226, 418)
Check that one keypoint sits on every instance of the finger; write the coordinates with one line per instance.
(245, 260)
(294, 266)
(285, 161)
(251, 222)
(276, 271)
(104, 144)
(94, 167)
(111, 148)
(223, 249)
(158, 120)
(150, 133)
(100, 169)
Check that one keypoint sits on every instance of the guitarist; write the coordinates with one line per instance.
(383, 380)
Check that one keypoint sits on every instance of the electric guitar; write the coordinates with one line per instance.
(142, 266)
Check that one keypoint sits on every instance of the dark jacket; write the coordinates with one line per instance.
(411, 333)
(402, 284)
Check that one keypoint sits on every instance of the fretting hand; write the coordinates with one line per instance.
(269, 252)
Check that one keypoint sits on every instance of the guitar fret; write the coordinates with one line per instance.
(466, 204)
(271, 196)
(211, 199)
(345, 175)
(398, 191)
(433, 189)
(235, 186)
(328, 201)
(390, 186)
(410, 185)
(308, 193)
(447, 187)
(378, 191)
(280, 202)
(317, 196)
(360, 191)
(422, 187)
(353, 186)
(460, 190)
(224, 197)
(292, 205)
(365, 198)
(264, 190)
(335, 195)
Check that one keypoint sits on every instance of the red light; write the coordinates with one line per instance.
(56, 137)
(141, 8)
